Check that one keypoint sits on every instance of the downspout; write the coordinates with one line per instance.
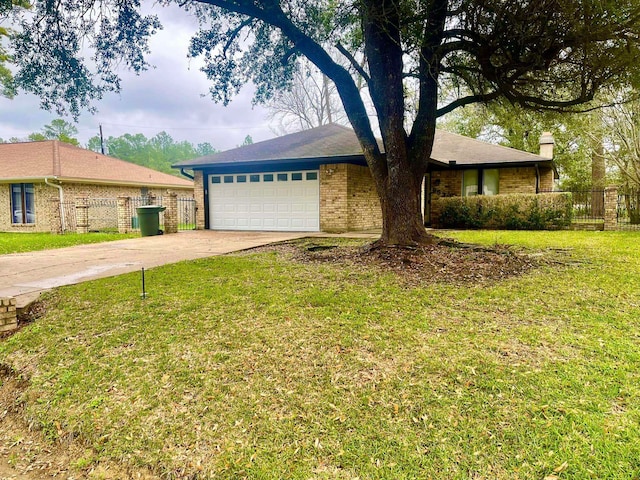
(537, 178)
(188, 175)
(61, 197)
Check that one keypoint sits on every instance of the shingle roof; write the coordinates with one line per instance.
(331, 141)
(51, 158)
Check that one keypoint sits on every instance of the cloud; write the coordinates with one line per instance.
(172, 96)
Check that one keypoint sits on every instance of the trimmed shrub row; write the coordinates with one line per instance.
(520, 211)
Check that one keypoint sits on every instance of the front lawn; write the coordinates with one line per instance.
(262, 366)
(28, 242)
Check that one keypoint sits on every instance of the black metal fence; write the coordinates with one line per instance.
(135, 202)
(186, 214)
(587, 205)
(629, 209)
(103, 213)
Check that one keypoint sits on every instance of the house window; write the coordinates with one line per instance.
(296, 177)
(22, 203)
(312, 175)
(480, 182)
(242, 179)
(283, 177)
(469, 183)
(228, 179)
(215, 179)
(267, 177)
(254, 178)
(490, 180)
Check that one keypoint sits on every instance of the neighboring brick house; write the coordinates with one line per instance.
(36, 177)
(318, 180)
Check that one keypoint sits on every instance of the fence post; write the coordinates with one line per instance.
(171, 213)
(124, 215)
(55, 219)
(82, 215)
(611, 208)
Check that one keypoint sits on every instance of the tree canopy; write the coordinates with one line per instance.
(545, 54)
(158, 152)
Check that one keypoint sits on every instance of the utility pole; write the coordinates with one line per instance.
(101, 141)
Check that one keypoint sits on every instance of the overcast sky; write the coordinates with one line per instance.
(168, 97)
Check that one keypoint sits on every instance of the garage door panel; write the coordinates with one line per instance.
(285, 201)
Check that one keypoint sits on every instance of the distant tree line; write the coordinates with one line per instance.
(158, 152)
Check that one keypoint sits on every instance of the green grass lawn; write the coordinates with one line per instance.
(28, 242)
(254, 366)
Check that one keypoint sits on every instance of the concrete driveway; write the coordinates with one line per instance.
(25, 275)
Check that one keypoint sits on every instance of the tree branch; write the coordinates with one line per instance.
(353, 62)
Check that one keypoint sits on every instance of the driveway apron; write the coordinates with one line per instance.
(25, 275)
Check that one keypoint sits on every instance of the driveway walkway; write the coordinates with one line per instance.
(25, 275)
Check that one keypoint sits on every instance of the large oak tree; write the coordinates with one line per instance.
(543, 54)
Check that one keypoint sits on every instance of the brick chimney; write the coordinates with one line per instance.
(546, 145)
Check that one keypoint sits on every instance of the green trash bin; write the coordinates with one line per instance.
(149, 219)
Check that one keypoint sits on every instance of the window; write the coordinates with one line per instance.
(296, 176)
(242, 178)
(254, 178)
(215, 179)
(312, 175)
(480, 182)
(469, 183)
(228, 179)
(267, 177)
(22, 203)
(283, 177)
(490, 180)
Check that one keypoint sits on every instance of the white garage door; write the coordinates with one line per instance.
(288, 201)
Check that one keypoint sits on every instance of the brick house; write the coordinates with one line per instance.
(318, 180)
(36, 178)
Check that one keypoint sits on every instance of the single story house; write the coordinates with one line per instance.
(36, 178)
(318, 180)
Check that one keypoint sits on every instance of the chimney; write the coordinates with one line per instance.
(546, 145)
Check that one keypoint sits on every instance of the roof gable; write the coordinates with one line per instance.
(51, 158)
(335, 141)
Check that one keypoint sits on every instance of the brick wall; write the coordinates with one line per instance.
(8, 318)
(546, 179)
(348, 199)
(198, 193)
(517, 180)
(47, 220)
(363, 205)
(334, 216)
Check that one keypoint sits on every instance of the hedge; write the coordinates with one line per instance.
(520, 211)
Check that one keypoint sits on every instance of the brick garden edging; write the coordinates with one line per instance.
(8, 314)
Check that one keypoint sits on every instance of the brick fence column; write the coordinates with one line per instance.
(124, 215)
(55, 220)
(8, 316)
(611, 208)
(171, 212)
(82, 215)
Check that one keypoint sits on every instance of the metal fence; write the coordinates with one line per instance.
(587, 205)
(135, 202)
(68, 216)
(629, 209)
(186, 214)
(103, 213)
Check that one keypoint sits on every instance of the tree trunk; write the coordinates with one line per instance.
(400, 193)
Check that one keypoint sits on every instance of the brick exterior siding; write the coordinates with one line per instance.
(46, 204)
(348, 199)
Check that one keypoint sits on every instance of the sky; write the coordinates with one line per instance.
(171, 97)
